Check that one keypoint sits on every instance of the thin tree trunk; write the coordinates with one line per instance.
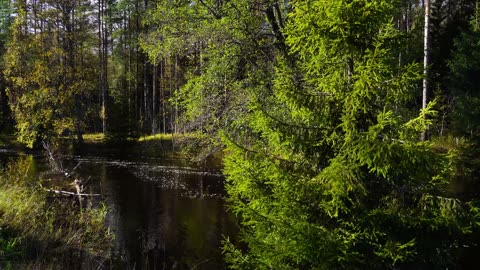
(127, 65)
(145, 95)
(101, 61)
(138, 98)
(176, 89)
(162, 78)
(34, 10)
(154, 90)
(170, 84)
(105, 93)
(425, 58)
(73, 51)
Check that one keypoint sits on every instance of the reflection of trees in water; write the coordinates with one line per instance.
(120, 193)
(162, 237)
(189, 182)
(158, 226)
(181, 233)
(154, 252)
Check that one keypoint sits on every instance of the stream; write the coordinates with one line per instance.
(165, 213)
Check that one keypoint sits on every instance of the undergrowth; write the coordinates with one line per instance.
(38, 231)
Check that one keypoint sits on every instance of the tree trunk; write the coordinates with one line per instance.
(154, 91)
(105, 94)
(425, 58)
(103, 62)
(176, 89)
(162, 80)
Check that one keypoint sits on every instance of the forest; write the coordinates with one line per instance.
(348, 129)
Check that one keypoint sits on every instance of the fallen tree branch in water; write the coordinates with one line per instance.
(68, 193)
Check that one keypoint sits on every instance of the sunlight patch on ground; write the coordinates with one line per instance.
(93, 137)
(166, 136)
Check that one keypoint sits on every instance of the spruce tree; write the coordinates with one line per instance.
(327, 169)
(464, 80)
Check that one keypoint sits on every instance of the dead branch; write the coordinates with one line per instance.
(68, 193)
(56, 166)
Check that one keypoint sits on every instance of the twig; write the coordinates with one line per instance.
(202, 262)
(73, 170)
(86, 181)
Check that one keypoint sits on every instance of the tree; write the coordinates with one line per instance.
(103, 42)
(48, 70)
(463, 80)
(425, 57)
(5, 22)
(448, 20)
(132, 78)
(222, 49)
(326, 168)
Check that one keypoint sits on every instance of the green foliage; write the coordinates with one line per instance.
(178, 24)
(5, 21)
(327, 169)
(316, 102)
(47, 81)
(464, 82)
(226, 49)
(5, 24)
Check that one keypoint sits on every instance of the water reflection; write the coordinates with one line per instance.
(164, 216)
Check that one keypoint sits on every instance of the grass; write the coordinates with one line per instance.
(156, 137)
(94, 137)
(447, 143)
(167, 137)
(37, 232)
(100, 137)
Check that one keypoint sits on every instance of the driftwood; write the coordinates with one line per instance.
(77, 183)
(68, 193)
(57, 166)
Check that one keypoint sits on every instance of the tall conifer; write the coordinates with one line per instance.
(327, 170)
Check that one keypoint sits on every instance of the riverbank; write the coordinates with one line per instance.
(10, 141)
(41, 231)
(189, 147)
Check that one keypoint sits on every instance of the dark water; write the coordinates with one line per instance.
(165, 213)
